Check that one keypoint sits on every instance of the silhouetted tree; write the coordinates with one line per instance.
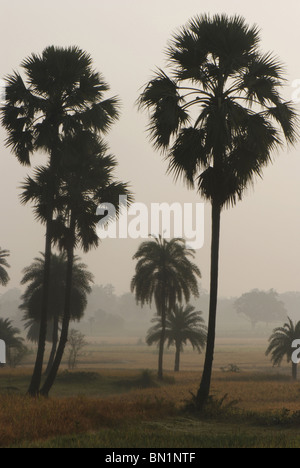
(14, 344)
(32, 297)
(87, 181)
(164, 273)
(183, 324)
(261, 306)
(218, 116)
(281, 344)
(60, 95)
(76, 341)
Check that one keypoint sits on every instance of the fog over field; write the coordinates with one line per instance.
(260, 237)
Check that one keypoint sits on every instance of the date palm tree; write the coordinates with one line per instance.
(218, 117)
(183, 324)
(4, 278)
(31, 299)
(281, 344)
(164, 273)
(59, 95)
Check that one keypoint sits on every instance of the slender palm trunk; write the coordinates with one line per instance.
(162, 343)
(54, 343)
(294, 371)
(66, 319)
(203, 392)
(177, 357)
(36, 378)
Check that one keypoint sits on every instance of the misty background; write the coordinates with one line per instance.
(260, 245)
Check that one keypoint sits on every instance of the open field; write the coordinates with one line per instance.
(115, 404)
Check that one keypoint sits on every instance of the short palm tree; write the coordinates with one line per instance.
(32, 297)
(281, 344)
(164, 273)
(59, 95)
(218, 116)
(4, 278)
(183, 324)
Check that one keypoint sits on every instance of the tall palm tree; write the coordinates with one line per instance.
(281, 344)
(183, 324)
(218, 116)
(4, 278)
(86, 181)
(164, 273)
(60, 94)
(31, 305)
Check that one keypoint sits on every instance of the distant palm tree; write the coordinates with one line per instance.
(32, 297)
(281, 344)
(217, 117)
(8, 334)
(61, 95)
(164, 273)
(183, 324)
(4, 278)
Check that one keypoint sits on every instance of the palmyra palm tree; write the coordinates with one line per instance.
(164, 273)
(60, 95)
(4, 278)
(183, 324)
(31, 299)
(281, 344)
(86, 181)
(218, 116)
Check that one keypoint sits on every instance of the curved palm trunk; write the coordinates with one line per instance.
(38, 369)
(54, 344)
(203, 392)
(177, 357)
(66, 319)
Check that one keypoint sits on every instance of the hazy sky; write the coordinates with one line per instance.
(260, 237)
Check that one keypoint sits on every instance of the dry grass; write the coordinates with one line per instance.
(256, 387)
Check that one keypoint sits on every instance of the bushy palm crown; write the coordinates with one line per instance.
(4, 278)
(281, 342)
(183, 324)
(59, 95)
(165, 273)
(218, 114)
(8, 334)
(32, 297)
(86, 179)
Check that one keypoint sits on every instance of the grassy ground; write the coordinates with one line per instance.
(127, 408)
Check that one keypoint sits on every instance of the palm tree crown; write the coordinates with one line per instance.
(183, 324)
(165, 274)
(218, 114)
(31, 299)
(59, 95)
(280, 344)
